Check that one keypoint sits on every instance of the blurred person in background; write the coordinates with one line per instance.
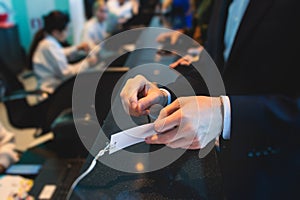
(123, 9)
(199, 27)
(198, 32)
(181, 13)
(95, 29)
(50, 58)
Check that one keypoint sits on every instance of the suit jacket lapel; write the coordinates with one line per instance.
(221, 31)
(253, 15)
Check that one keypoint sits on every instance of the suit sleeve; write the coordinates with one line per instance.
(264, 125)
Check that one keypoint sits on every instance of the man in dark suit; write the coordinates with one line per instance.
(254, 44)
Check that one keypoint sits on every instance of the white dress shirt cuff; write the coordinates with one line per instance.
(226, 117)
(169, 95)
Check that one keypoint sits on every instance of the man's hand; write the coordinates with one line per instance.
(173, 36)
(189, 123)
(139, 94)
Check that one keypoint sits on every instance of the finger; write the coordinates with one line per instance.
(164, 138)
(185, 63)
(148, 101)
(194, 145)
(175, 64)
(180, 143)
(168, 123)
(181, 61)
(184, 141)
(129, 102)
(168, 110)
(129, 107)
(129, 93)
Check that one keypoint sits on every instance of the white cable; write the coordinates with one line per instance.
(84, 174)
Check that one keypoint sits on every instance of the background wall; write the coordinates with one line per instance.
(77, 15)
(27, 14)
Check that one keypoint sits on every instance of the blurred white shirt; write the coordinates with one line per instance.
(94, 32)
(121, 11)
(51, 66)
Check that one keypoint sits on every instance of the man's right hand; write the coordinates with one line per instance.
(139, 94)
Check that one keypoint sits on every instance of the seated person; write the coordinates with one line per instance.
(50, 59)
(95, 29)
(123, 9)
(7, 153)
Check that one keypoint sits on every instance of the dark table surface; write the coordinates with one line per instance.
(189, 177)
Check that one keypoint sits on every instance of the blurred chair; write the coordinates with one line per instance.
(23, 115)
(64, 128)
(55, 113)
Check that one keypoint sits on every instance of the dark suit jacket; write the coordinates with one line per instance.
(262, 158)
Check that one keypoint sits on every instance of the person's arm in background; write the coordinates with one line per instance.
(7, 145)
(135, 6)
(173, 36)
(57, 60)
(72, 52)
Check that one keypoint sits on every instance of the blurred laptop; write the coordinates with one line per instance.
(56, 177)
